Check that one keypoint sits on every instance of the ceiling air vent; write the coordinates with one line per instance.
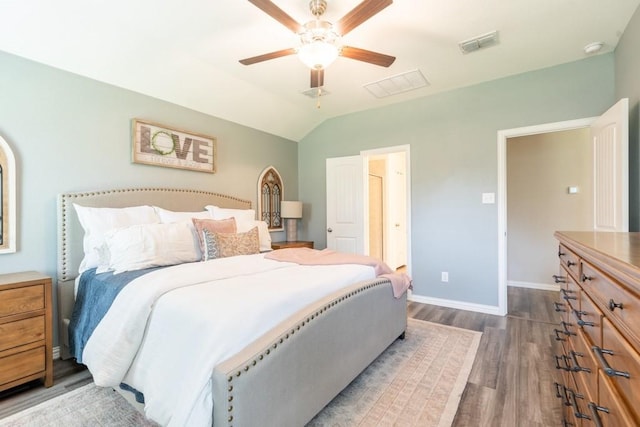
(397, 84)
(479, 42)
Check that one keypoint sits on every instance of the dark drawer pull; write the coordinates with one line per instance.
(563, 357)
(560, 253)
(613, 305)
(574, 403)
(565, 328)
(576, 365)
(565, 294)
(561, 393)
(559, 279)
(595, 417)
(584, 277)
(578, 315)
(570, 263)
(605, 366)
(558, 332)
(559, 307)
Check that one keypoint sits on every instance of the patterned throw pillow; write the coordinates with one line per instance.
(222, 245)
(211, 250)
(212, 226)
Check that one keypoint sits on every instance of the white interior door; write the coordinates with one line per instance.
(345, 209)
(397, 210)
(610, 136)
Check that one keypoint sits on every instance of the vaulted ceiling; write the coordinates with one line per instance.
(187, 51)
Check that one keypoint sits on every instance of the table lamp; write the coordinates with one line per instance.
(291, 211)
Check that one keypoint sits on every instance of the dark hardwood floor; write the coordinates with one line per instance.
(511, 383)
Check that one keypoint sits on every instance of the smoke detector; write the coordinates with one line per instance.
(592, 48)
(479, 42)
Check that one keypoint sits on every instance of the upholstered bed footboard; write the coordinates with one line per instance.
(291, 373)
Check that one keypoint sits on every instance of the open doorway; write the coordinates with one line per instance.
(387, 205)
(608, 142)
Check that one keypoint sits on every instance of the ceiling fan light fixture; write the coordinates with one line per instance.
(319, 45)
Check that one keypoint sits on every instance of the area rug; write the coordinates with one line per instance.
(417, 381)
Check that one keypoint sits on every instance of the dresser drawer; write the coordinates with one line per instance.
(21, 300)
(584, 367)
(621, 357)
(589, 318)
(20, 332)
(570, 261)
(23, 364)
(618, 414)
(619, 304)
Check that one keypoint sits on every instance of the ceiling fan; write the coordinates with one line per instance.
(320, 41)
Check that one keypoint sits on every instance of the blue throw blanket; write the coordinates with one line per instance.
(96, 293)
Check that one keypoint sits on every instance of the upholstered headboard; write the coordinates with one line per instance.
(70, 233)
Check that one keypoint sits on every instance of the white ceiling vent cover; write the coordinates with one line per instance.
(479, 42)
(399, 83)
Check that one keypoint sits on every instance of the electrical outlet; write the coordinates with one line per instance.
(444, 276)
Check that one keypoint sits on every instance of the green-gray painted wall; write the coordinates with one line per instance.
(71, 133)
(453, 139)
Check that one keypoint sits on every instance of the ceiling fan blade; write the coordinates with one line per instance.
(268, 56)
(317, 78)
(367, 56)
(278, 14)
(359, 14)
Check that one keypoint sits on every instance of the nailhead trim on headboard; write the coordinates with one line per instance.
(65, 201)
(272, 348)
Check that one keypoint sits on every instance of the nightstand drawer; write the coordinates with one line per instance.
(21, 332)
(23, 364)
(292, 244)
(21, 300)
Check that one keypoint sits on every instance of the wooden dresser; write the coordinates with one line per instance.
(599, 328)
(26, 351)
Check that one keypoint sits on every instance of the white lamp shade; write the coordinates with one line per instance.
(290, 209)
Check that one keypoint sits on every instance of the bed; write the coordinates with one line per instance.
(290, 371)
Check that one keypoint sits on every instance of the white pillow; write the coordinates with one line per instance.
(167, 216)
(151, 245)
(97, 221)
(245, 221)
(238, 214)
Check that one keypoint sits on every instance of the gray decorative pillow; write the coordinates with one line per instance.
(211, 250)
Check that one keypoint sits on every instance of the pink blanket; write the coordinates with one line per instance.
(400, 282)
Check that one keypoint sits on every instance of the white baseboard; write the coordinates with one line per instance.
(531, 285)
(56, 353)
(459, 305)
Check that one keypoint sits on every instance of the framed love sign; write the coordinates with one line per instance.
(159, 145)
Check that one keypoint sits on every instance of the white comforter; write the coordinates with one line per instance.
(167, 330)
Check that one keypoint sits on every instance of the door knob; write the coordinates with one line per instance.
(329, 230)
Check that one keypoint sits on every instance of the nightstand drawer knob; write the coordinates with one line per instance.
(329, 230)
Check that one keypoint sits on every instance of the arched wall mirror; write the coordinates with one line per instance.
(7, 198)
(270, 196)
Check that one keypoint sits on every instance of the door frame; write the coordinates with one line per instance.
(365, 155)
(503, 136)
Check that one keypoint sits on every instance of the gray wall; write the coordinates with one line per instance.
(70, 133)
(540, 168)
(627, 73)
(453, 138)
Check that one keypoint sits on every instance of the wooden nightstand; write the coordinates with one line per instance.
(295, 244)
(26, 335)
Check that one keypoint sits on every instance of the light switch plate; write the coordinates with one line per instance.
(488, 198)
